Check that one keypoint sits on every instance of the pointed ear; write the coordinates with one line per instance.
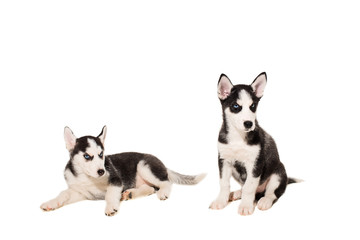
(102, 135)
(258, 85)
(224, 87)
(70, 139)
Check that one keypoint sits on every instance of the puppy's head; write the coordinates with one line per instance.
(240, 102)
(87, 153)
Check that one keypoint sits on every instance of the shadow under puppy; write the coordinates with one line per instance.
(90, 175)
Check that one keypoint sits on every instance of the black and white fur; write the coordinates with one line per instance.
(92, 175)
(246, 151)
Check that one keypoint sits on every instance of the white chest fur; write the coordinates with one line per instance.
(237, 149)
(91, 188)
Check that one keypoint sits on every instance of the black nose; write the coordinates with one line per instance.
(248, 124)
(101, 172)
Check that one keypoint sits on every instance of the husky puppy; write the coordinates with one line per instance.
(92, 175)
(246, 151)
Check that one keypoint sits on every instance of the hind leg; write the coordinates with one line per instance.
(274, 189)
(142, 191)
(236, 195)
(164, 190)
(156, 176)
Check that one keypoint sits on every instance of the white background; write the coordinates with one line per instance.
(149, 71)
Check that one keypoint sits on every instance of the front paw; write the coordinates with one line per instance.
(218, 204)
(51, 205)
(111, 209)
(246, 209)
(265, 203)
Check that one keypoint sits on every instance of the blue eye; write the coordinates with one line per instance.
(253, 107)
(235, 108)
(87, 156)
(101, 154)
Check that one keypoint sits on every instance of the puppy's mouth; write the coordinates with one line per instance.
(97, 176)
(247, 130)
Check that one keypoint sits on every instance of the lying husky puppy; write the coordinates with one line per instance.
(92, 175)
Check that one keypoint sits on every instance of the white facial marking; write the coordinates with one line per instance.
(245, 115)
(90, 167)
(96, 163)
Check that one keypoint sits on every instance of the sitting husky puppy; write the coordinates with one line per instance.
(246, 151)
(92, 175)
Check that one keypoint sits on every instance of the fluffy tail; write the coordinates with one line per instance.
(294, 180)
(184, 179)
